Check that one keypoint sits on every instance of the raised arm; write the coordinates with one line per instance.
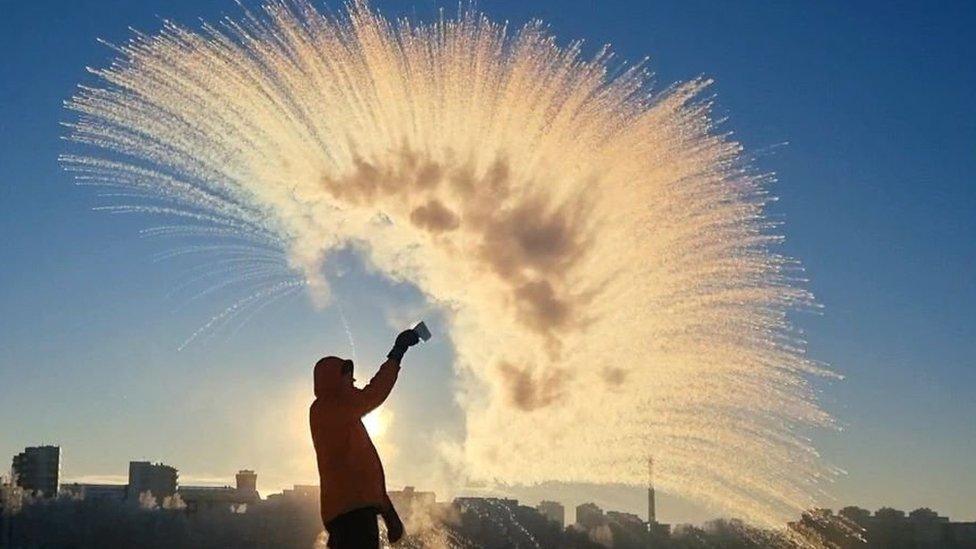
(372, 395)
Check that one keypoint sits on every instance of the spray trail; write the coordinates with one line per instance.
(611, 281)
(345, 326)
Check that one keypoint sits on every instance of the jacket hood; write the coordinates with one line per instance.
(328, 376)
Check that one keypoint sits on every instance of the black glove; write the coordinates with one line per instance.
(406, 339)
(394, 526)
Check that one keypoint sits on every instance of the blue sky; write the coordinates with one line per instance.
(863, 111)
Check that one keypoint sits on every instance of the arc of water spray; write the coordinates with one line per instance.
(598, 246)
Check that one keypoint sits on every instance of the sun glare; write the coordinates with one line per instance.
(376, 423)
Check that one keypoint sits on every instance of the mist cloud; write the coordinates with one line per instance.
(601, 255)
(527, 391)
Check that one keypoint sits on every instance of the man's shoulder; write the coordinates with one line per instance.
(315, 408)
(325, 407)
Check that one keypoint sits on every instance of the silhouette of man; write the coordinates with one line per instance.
(351, 476)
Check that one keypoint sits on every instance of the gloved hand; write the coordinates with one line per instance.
(406, 339)
(394, 526)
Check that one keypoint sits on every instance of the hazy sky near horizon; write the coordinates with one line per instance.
(863, 111)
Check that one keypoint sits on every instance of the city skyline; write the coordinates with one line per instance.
(145, 475)
(246, 481)
(874, 187)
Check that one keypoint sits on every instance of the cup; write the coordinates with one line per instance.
(422, 331)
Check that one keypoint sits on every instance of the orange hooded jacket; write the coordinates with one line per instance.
(350, 473)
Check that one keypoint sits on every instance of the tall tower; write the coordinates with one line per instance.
(553, 511)
(38, 470)
(247, 481)
(651, 512)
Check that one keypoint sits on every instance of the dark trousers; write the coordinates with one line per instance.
(354, 530)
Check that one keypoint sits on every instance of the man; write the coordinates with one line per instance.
(350, 473)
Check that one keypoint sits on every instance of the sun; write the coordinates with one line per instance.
(376, 423)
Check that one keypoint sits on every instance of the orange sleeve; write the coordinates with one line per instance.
(372, 395)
